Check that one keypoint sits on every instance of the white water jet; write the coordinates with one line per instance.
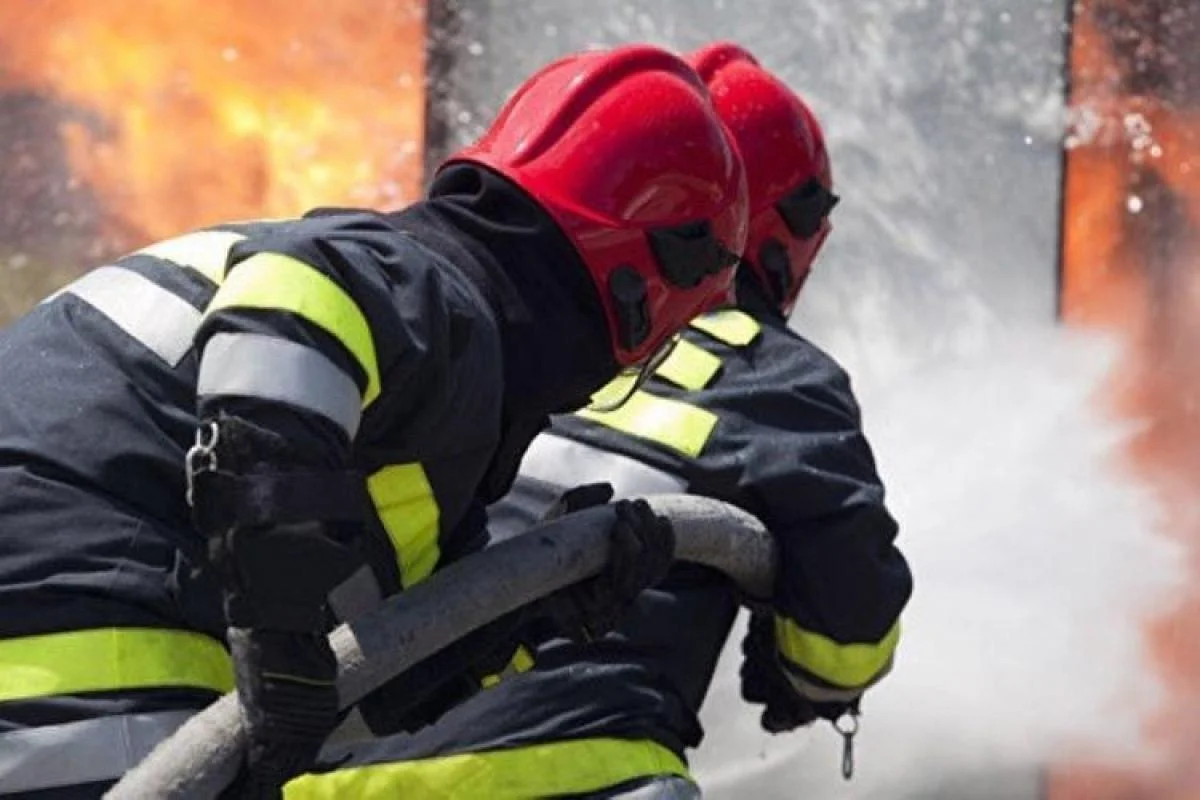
(1037, 562)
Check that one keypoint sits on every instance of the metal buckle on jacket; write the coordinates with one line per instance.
(201, 457)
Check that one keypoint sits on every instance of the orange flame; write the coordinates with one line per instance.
(1130, 263)
(190, 112)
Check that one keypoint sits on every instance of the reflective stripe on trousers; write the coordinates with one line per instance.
(78, 753)
(111, 659)
(565, 462)
(578, 766)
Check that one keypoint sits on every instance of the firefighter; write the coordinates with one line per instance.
(743, 410)
(216, 447)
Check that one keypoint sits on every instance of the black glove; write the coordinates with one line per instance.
(288, 693)
(277, 581)
(641, 552)
(764, 682)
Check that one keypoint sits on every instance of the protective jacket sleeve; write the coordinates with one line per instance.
(810, 475)
(309, 318)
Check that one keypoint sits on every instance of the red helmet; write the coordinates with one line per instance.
(624, 149)
(787, 167)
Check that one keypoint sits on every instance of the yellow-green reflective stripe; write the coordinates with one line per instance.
(846, 665)
(689, 366)
(204, 251)
(734, 328)
(282, 283)
(409, 512)
(614, 391)
(521, 661)
(671, 423)
(105, 659)
(545, 770)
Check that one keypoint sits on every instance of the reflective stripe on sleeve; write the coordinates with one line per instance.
(689, 366)
(560, 461)
(673, 424)
(272, 281)
(82, 752)
(543, 770)
(850, 666)
(731, 326)
(818, 693)
(204, 251)
(158, 319)
(111, 659)
(254, 365)
(409, 514)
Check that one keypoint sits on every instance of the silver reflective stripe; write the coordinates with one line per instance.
(565, 462)
(356, 595)
(829, 694)
(87, 751)
(253, 365)
(160, 320)
(662, 787)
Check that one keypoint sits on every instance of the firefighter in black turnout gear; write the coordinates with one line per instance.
(217, 447)
(743, 410)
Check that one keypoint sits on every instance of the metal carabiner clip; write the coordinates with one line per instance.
(201, 457)
(847, 731)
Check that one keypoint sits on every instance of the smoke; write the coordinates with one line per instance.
(1037, 564)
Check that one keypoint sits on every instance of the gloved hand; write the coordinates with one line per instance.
(288, 694)
(764, 682)
(277, 580)
(641, 552)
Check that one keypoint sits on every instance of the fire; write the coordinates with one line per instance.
(1131, 244)
(179, 113)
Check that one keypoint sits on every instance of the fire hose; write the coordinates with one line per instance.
(202, 758)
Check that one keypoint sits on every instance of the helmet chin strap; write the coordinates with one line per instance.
(632, 378)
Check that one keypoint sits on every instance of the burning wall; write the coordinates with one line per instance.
(125, 122)
(1131, 259)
